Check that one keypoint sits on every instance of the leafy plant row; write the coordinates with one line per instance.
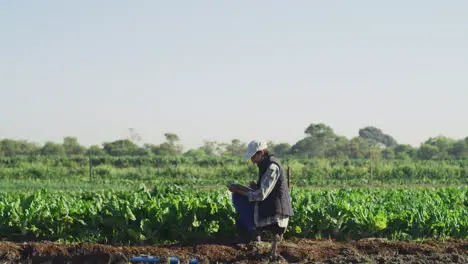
(184, 214)
(313, 173)
(199, 161)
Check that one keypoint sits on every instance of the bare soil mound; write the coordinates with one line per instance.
(290, 251)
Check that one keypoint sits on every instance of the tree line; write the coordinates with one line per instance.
(320, 141)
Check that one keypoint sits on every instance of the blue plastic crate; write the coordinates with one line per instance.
(151, 259)
(146, 259)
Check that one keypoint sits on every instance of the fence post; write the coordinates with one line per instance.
(90, 166)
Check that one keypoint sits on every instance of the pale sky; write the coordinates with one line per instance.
(218, 70)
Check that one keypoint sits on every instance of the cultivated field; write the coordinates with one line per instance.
(68, 210)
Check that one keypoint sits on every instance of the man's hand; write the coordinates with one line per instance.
(253, 185)
(232, 188)
(235, 189)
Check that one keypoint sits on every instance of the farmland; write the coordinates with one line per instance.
(145, 205)
(127, 172)
(186, 215)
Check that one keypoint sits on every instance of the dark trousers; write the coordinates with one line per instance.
(246, 212)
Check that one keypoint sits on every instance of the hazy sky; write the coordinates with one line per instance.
(233, 69)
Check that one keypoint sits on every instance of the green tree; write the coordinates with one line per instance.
(405, 152)
(211, 148)
(134, 136)
(280, 149)
(171, 138)
(388, 153)
(339, 148)
(427, 152)
(320, 131)
(459, 149)
(195, 153)
(376, 135)
(236, 148)
(443, 144)
(95, 150)
(360, 148)
(170, 147)
(319, 138)
(72, 147)
(52, 149)
(151, 148)
(10, 147)
(123, 147)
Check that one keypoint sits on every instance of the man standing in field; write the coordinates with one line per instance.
(267, 205)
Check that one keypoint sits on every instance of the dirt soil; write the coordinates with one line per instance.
(289, 251)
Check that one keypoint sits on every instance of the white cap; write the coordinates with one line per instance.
(254, 146)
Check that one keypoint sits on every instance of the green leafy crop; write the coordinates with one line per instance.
(168, 214)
